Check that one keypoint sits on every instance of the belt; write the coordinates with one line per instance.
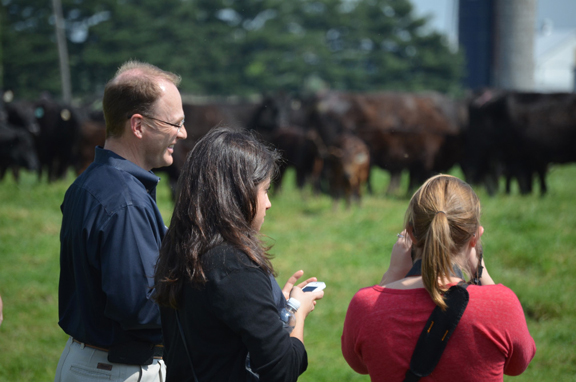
(158, 349)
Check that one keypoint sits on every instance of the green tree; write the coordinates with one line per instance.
(230, 47)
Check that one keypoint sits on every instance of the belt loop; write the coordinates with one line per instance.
(159, 363)
(83, 345)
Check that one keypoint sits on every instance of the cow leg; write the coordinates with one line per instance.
(348, 194)
(300, 178)
(39, 172)
(369, 184)
(491, 183)
(51, 171)
(394, 184)
(16, 173)
(316, 175)
(278, 179)
(525, 181)
(542, 178)
(335, 199)
(357, 194)
(61, 170)
(508, 183)
(415, 179)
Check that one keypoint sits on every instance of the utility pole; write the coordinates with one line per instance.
(1, 52)
(62, 51)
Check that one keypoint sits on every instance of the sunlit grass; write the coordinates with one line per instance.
(529, 246)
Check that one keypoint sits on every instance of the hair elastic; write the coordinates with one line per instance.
(440, 212)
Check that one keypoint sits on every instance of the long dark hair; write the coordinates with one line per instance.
(216, 203)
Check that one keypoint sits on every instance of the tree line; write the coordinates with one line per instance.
(229, 47)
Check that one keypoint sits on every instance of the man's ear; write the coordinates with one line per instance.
(136, 125)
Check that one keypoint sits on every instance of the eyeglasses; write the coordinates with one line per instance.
(178, 126)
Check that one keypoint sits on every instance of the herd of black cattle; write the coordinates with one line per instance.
(333, 138)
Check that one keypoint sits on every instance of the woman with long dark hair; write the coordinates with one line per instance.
(214, 279)
(384, 322)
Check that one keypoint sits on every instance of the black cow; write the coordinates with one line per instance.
(299, 150)
(21, 114)
(60, 129)
(518, 134)
(16, 150)
(92, 134)
(18, 115)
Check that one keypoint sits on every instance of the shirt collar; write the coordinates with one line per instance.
(147, 178)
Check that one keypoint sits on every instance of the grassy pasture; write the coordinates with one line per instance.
(529, 246)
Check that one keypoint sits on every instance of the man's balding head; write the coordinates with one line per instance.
(134, 89)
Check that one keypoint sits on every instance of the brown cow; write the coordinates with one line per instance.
(347, 167)
(402, 130)
(201, 118)
(264, 117)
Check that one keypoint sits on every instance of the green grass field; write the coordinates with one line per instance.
(529, 245)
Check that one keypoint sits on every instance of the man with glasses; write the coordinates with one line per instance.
(111, 234)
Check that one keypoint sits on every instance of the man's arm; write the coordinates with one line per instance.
(129, 250)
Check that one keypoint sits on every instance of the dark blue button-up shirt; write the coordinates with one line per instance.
(110, 238)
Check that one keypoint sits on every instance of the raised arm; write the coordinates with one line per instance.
(400, 260)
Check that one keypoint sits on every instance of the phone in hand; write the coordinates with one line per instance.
(314, 286)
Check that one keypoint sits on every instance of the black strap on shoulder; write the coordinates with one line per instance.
(437, 332)
(185, 346)
(438, 328)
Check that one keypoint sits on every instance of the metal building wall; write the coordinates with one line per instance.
(514, 22)
(498, 41)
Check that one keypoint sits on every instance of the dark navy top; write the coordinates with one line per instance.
(110, 239)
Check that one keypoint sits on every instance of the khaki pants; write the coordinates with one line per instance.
(81, 363)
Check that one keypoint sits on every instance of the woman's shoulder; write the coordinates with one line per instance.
(222, 250)
(374, 294)
(225, 258)
(493, 292)
(495, 298)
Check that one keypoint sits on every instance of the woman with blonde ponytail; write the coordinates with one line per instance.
(439, 248)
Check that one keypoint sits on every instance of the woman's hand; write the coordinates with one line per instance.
(307, 304)
(293, 280)
(307, 299)
(475, 253)
(400, 260)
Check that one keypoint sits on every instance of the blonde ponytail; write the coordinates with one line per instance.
(437, 264)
